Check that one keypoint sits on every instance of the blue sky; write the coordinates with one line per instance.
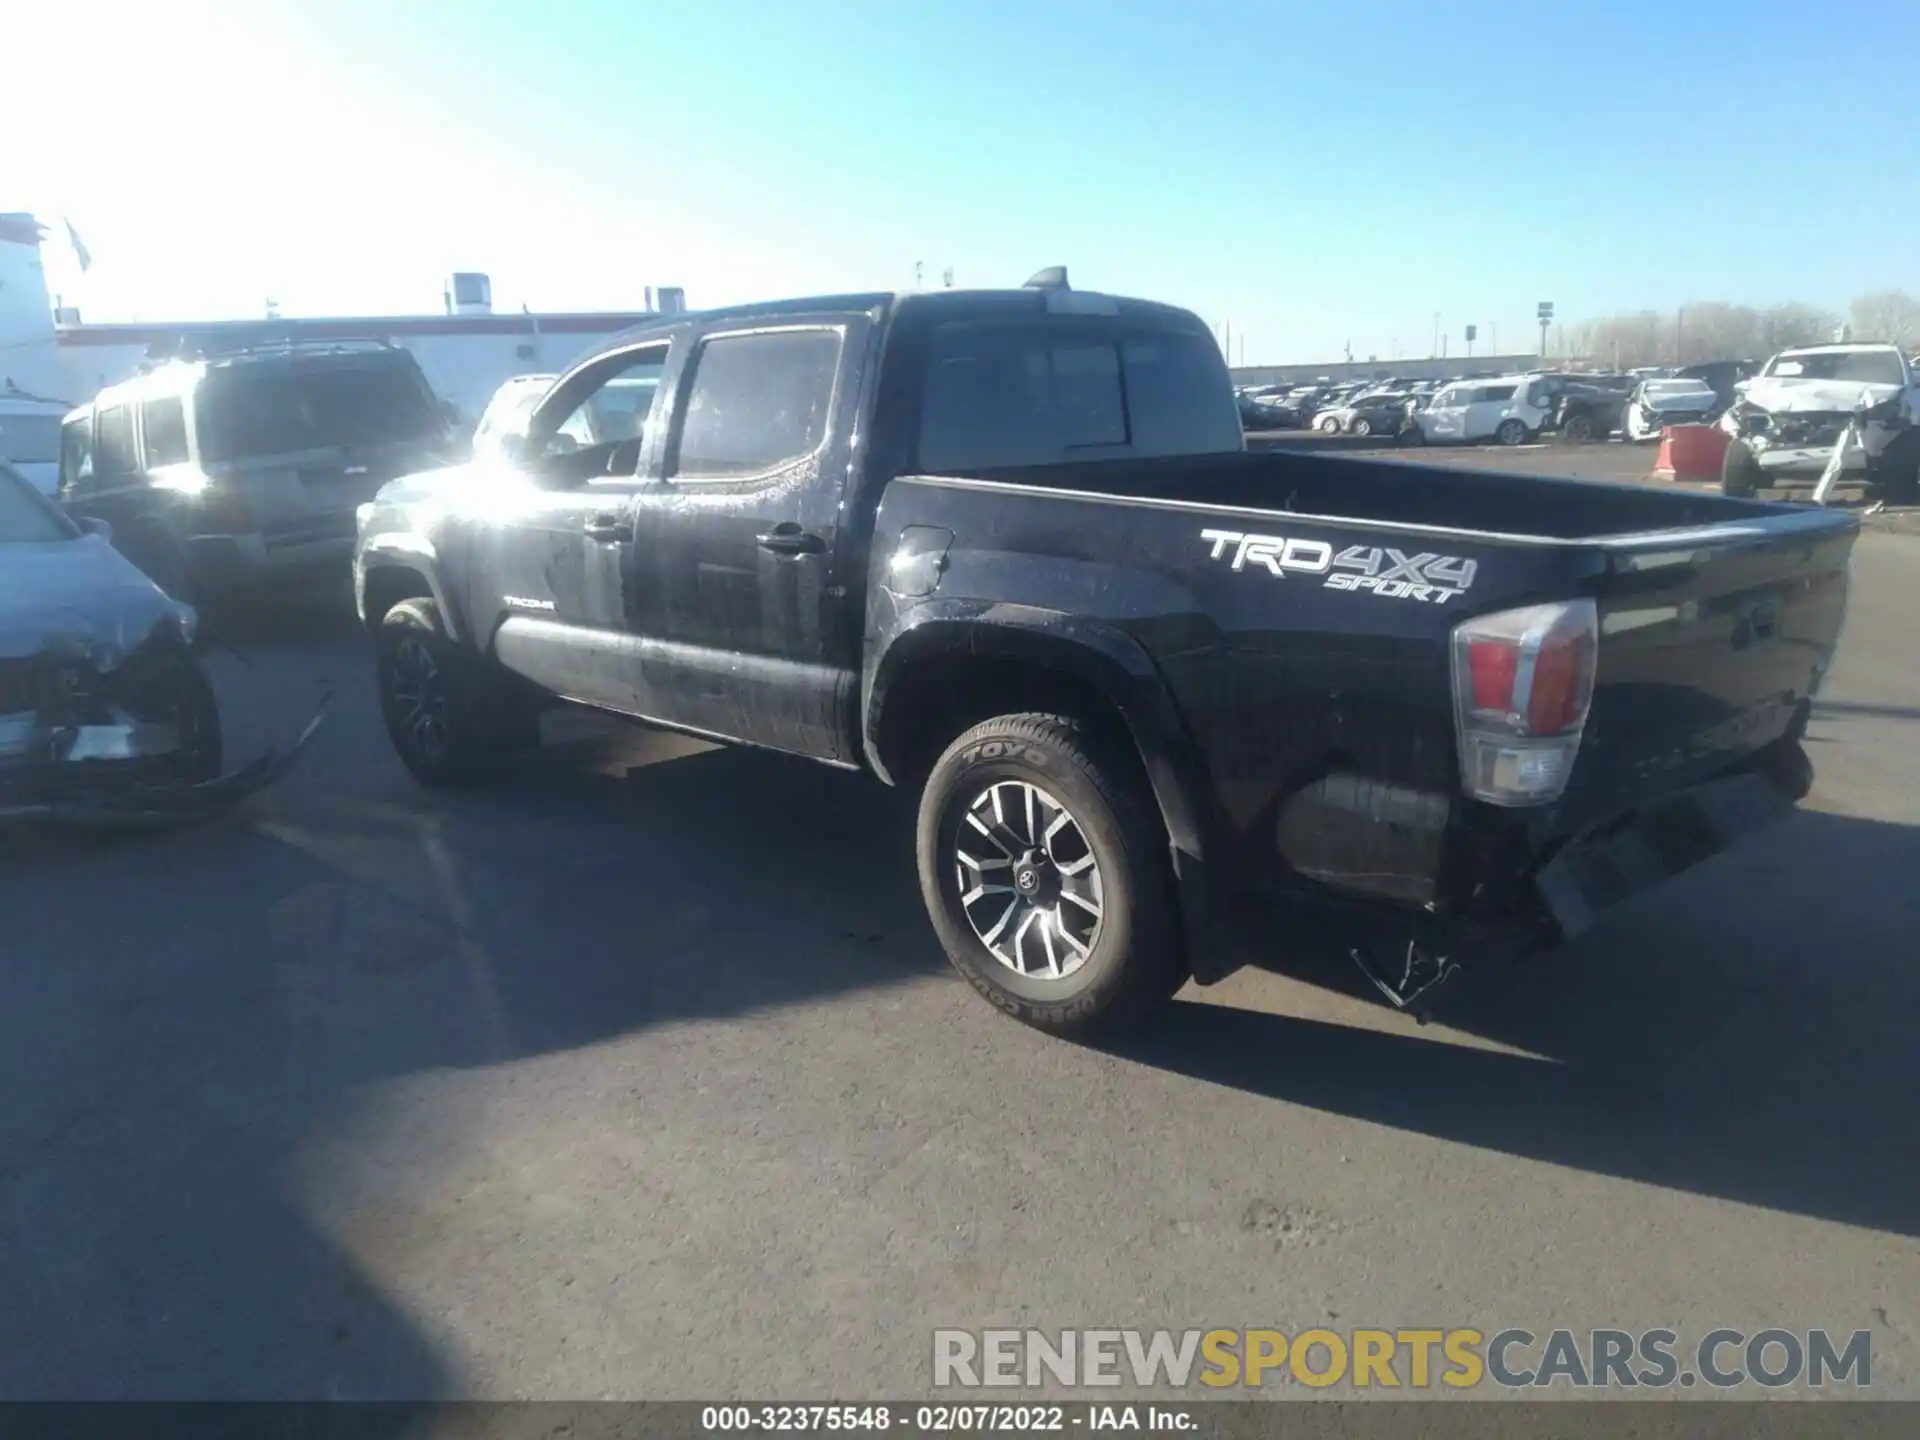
(1316, 175)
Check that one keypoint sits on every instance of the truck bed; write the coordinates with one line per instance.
(1718, 619)
(1401, 493)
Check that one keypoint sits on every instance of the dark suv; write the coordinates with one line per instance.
(247, 466)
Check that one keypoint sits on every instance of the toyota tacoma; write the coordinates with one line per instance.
(1155, 693)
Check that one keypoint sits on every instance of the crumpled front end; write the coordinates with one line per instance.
(89, 736)
(1805, 440)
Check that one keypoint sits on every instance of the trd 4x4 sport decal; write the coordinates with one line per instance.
(1372, 569)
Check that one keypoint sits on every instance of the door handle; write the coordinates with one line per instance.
(609, 528)
(786, 538)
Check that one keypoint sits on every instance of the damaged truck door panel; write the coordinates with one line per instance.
(1006, 549)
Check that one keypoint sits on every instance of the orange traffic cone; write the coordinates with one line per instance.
(1663, 462)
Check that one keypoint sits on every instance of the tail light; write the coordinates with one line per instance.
(1522, 686)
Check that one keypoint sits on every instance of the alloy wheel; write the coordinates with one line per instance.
(419, 693)
(1029, 881)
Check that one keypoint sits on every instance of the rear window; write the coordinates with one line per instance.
(1007, 394)
(246, 416)
(29, 439)
(26, 519)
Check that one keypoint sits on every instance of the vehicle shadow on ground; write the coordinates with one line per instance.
(183, 1018)
(1747, 1034)
(186, 1020)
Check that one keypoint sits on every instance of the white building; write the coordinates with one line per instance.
(48, 365)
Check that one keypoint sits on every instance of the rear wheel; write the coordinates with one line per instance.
(1511, 432)
(1740, 472)
(1046, 876)
(451, 716)
(1578, 427)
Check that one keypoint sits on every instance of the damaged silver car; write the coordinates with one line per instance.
(1822, 413)
(106, 716)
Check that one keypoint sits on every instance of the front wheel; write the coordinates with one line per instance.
(1046, 876)
(1328, 426)
(1362, 426)
(451, 720)
(1511, 432)
(1740, 472)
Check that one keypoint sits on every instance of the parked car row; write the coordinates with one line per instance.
(1510, 409)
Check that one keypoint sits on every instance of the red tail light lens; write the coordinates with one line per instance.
(1493, 664)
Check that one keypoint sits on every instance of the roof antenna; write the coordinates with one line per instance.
(1054, 277)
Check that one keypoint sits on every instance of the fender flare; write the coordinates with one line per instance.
(1119, 669)
(413, 553)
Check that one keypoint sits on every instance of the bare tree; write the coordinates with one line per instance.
(1702, 330)
(1890, 315)
(1784, 326)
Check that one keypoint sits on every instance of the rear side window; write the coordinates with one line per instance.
(999, 395)
(163, 426)
(757, 402)
(76, 451)
(1496, 392)
(113, 454)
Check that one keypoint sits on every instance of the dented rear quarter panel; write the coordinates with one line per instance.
(1257, 679)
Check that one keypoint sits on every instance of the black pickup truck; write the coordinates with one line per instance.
(1007, 548)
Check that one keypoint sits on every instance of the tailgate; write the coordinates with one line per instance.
(1712, 643)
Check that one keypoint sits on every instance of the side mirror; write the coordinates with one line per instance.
(513, 446)
(93, 525)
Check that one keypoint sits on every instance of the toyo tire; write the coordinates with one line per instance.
(1075, 930)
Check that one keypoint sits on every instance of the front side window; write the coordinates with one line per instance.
(163, 426)
(604, 410)
(757, 402)
(113, 453)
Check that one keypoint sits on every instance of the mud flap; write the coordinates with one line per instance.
(155, 807)
(1659, 842)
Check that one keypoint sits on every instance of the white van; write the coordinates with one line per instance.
(1508, 410)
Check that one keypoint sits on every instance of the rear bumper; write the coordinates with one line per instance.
(1431, 865)
(129, 796)
(223, 562)
(1651, 846)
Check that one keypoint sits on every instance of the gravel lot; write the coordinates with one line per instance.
(643, 1076)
